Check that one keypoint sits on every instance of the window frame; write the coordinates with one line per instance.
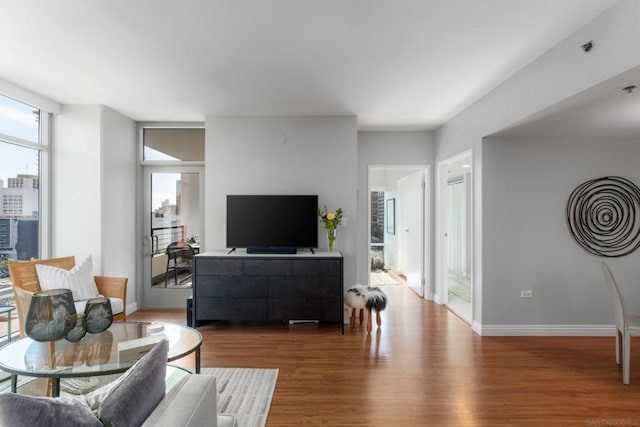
(43, 176)
(44, 147)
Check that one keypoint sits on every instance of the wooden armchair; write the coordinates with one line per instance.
(25, 283)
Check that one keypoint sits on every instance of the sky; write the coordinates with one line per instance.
(17, 120)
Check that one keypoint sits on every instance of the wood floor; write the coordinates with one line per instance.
(425, 367)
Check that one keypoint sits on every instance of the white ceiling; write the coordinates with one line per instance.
(603, 111)
(395, 64)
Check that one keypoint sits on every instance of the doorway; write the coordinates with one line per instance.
(397, 231)
(455, 255)
(172, 215)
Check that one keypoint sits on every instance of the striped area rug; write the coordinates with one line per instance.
(245, 393)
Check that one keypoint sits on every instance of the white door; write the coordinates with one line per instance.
(411, 231)
(172, 204)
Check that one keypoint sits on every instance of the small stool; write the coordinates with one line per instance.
(360, 297)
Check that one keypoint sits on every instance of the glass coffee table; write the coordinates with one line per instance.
(95, 354)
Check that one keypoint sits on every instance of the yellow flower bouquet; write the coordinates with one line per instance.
(331, 222)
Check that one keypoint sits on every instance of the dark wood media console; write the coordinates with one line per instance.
(267, 287)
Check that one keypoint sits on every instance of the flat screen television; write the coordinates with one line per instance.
(272, 223)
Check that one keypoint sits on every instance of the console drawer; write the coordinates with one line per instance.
(232, 286)
(316, 267)
(250, 309)
(267, 267)
(304, 287)
(322, 309)
(218, 266)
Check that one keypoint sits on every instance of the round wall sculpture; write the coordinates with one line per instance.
(602, 215)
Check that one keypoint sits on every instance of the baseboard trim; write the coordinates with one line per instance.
(544, 330)
(476, 327)
(132, 307)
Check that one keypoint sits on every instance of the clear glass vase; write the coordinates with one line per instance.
(331, 237)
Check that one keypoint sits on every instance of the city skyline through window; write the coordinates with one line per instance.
(19, 182)
(20, 156)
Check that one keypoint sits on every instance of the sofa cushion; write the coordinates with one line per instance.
(117, 305)
(79, 279)
(18, 410)
(129, 400)
(190, 403)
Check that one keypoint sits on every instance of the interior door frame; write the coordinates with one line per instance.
(441, 291)
(426, 218)
(165, 298)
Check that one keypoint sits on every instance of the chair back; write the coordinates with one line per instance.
(181, 250)
(24, 275)
(24, 278)
(619, 307)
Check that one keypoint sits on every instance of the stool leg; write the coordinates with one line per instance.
(369, 321)
(361, 315)
(378, 319)
(352, 322)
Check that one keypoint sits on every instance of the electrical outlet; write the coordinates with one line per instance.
(526, 294)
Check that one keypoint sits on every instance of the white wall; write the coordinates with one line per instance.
(93, 202)
(527, 242)
(283, 155)
(76, 190)
(119, 163)
(558, 74)
(378, 149)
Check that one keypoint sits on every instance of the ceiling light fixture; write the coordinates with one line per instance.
(630, 88)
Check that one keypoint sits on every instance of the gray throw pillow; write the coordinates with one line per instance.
(130, 399)
(19, 410)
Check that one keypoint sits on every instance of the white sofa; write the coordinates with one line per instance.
(137, 398)
(190, 403)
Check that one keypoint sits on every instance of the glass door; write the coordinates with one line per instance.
(172, 226)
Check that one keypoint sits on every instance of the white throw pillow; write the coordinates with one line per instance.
(79, 279)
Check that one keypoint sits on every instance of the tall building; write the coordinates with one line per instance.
(8, 237)
(377, 216)
(19, 222)
(20, 197)
(27, 244)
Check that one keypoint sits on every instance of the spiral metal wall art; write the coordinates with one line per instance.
(602, 215)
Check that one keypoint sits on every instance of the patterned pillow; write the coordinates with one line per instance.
(130, 399)
(79, 279)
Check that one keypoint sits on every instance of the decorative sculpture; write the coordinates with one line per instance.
(602, 215)
(52, 315)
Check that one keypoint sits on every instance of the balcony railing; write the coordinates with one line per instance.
(161, 237)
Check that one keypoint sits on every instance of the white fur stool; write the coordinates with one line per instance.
(360, 297)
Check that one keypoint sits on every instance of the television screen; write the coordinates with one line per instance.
(261, 222)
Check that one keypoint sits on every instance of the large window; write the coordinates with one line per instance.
(22, 153)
